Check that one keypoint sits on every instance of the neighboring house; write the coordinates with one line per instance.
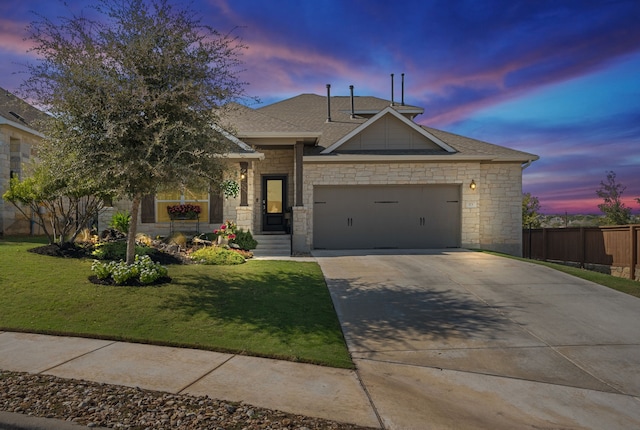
(19, 137)
(359, 173)
(333, 173)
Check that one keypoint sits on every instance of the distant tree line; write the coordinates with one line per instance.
(613, 209)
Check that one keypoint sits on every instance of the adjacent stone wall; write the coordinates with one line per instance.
(17, 147)
(4, 176)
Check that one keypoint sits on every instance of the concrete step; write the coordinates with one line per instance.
(272, 245)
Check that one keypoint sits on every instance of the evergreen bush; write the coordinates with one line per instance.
(216, 255)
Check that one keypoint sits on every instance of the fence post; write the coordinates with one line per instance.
(633, 253)
(544, 244)
(582, 249)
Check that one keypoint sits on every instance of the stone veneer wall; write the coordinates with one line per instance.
(501, 209)
(403, 173)
(4, 176)
(16, 148)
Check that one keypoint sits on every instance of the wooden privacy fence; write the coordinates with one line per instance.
(612, 250)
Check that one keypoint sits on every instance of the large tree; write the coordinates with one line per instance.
(530, 211)
(614, 210)
(135, 89)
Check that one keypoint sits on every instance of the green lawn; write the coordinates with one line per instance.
(279, 309)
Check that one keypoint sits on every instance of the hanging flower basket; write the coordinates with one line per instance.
(186, 211)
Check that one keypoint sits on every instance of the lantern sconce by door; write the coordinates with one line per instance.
(473, 185)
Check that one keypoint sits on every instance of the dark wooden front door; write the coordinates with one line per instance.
(274, 203)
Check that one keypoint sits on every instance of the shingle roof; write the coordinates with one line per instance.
(308, 113)
(247, 120)
(20, 112)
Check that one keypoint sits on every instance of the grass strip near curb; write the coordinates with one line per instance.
(278, 309)
(616, 283)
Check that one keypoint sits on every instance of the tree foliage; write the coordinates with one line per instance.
(135, 95)
(614, 210)
(530, 211)
(61, 207)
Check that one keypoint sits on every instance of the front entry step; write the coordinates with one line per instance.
(272, 245)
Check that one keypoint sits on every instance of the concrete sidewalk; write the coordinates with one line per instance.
(304, 389)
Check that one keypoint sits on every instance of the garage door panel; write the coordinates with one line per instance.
(378, 216)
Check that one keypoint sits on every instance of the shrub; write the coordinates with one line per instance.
(120, 221)
(217, 255)
(117, 250)
(144, 239)
(86, 236)
(143, 270)
(177, 238)
(245, 240)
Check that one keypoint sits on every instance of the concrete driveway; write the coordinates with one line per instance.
(460, 339)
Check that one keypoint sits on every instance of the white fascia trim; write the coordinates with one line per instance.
(4, 121)
(398, 115)
(276, 134)
(375, 111)
(244, 155)
(232, 138)
(446, 158)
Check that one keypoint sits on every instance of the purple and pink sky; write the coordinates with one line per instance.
(560, 79)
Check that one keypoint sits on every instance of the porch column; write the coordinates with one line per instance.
(244, 212)
(298, 150)
(244, 181)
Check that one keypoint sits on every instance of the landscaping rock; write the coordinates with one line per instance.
(101, 405)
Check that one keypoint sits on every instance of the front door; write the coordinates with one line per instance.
(274, 203)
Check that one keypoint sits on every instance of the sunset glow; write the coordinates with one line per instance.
(556, 79)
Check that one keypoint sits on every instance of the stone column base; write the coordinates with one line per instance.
(300, 237)
(244, 217)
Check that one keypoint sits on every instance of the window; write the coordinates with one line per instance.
(170, 198)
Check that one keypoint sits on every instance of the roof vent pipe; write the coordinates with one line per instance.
(402, 102)
(353, 110)
(328, 102)
(392, 90)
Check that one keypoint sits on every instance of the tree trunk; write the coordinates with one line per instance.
(133, 229)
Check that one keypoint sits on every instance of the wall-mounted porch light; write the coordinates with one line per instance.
(473, 185)
(243, 173)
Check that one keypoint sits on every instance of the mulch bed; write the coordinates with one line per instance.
(130, 282)
(72, 251)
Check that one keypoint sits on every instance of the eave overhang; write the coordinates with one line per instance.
(22, 127)
(445, 158)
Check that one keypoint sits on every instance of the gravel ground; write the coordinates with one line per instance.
(102, 405)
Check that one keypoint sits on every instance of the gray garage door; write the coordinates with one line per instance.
(386, 216)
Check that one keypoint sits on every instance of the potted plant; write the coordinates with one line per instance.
(226, 232)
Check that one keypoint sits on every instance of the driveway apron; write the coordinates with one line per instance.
(462, 339)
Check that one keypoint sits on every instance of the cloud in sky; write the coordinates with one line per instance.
(557, 79)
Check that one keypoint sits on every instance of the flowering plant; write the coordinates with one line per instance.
(230, 188)
(186, 210)
(227, 230)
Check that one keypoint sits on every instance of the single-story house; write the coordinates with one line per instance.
(353, 172)
(333, 172)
